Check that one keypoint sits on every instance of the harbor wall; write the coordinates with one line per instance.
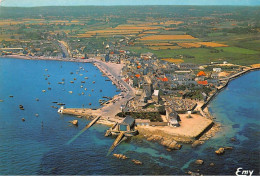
(225, 85)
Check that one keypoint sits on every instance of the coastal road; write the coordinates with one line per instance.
(127, 93)
(65, 49)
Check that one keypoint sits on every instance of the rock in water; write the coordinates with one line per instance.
(233, 139)
(199, 162)
(228, 148)
(74, 122)
(193, 173)
(220, 151)
(120, 156)
(137, 162)
(212, 164)
(196, 143)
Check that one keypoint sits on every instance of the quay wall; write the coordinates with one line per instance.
(225, 85)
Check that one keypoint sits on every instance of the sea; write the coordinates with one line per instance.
(38, 145)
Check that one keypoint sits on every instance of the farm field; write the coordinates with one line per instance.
(198, 34)
(167, 37)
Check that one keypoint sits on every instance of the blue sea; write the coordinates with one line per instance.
(38, 145)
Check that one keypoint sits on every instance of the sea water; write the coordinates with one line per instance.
(38, 146)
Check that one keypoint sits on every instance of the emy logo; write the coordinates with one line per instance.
(242, 172)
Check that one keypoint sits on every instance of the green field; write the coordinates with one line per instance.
(206, 55)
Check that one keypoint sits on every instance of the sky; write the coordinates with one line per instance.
(31, 3)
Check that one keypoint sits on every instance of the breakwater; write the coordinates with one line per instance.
(226, 82)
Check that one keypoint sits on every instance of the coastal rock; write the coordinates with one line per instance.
(193, 173)
(171, 144)
(233, 139)
(196, 143)
(212, 164)
(199, 162)
(120, 156)
(165, 143)
(74, 122)
(149, 138)
(220, 151)
(137, 162)
(156, 137)
(228, 148)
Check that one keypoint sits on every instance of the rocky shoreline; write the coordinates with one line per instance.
(207, 135)
(174, 142)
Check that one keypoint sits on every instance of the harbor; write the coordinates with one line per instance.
(50, 128)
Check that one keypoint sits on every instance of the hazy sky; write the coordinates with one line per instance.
(126, 2)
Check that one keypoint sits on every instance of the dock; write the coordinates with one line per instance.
(84, 129)
(93, 122)
(116, 142)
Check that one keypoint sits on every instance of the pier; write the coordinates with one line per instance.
(93, 122)
(239, 74)
(116, 142)
(226, 82)
(84, 129)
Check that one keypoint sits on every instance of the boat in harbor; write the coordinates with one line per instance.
(86, 77)
(93, 82)
(60, 104)
(83, 82)
(21, 107)
(107, 80)
(70, 92)
(105, 97)
(71, 81)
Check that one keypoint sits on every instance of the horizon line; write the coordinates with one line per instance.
(125, 5)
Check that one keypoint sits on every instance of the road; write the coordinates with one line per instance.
(65, 49)
(127, 91)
